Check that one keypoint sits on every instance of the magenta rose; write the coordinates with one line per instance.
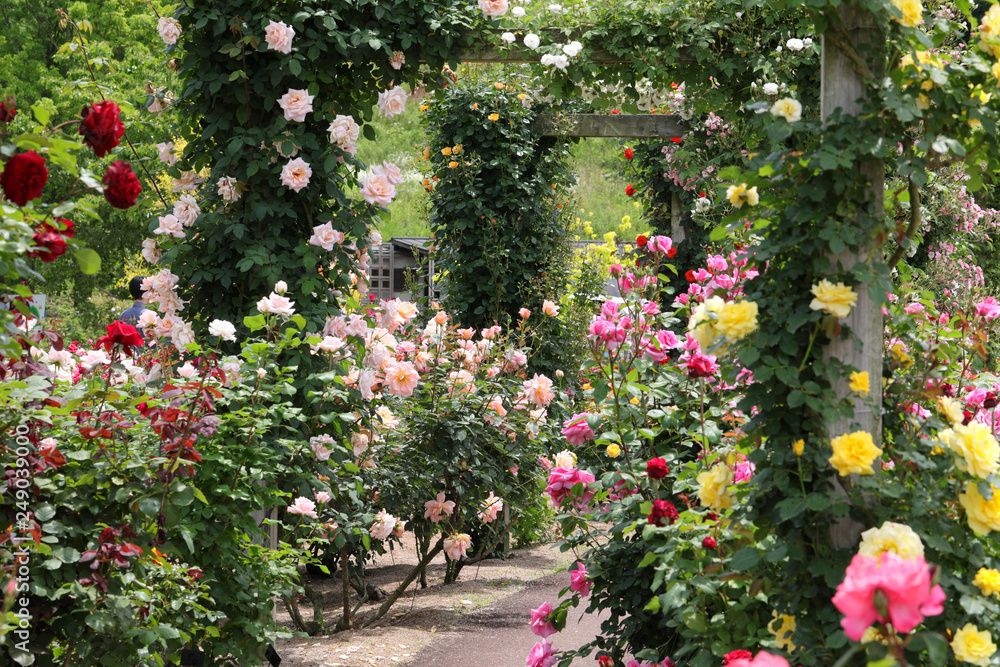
(121, 186)
(738, 654)
(562, 480)
(576, 430)
(23, 177)
(701, 366)
(539, 623)
(101, 127)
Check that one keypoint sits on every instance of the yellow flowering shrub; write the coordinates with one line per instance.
(983, 515)
(988, 581)
(977, 449)
(897, 538)
(854, 453)
(713, 487)
(837, 300)
(973, 645)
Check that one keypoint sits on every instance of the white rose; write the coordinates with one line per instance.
(770, 89)
(280, 287)
(702, 204)
(223, 329)
(508, 38)
(532, 41)
(795, 44)
(279, 37)
(392, 102)
(169, 29)
(517, 12)
(166, 151)
(151, 252)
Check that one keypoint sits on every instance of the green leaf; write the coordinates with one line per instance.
(149, 506)
(88, 260)
(744, 559)
(654, 604)
(351, 467)
(254, 322)
(42, 115)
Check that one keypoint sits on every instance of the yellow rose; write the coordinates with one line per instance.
(787, 108)
(837, 300)
(872, 635)
(737, 319)
(891, 537)
(975, 444)
(988, 581)
(912, 12)
(784, 630)
(799, 446)
(494, 116)
(859, 382)
(446, 151)
(854, 453)
(899, 351)
(989, 29)
(996, 71)
(703, 320)
(713, 487)
(452, 164)
(614, 451)
(973, 645)
(738, 195)
(951, 409)
(983, 515)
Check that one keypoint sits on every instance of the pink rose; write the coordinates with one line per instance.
(229, 189)
(295, 175)
(169, 29)
(166, 153)
(579, 580)
(434, 509)
(763, 659)
(323, 497)
(539, 625)
(562, 481)
(279, 37)
(318, 445)
(326, 237)
(524, 313)
(390, 171)
(402, 378)
(345, 132)
(392, 102)
(550, 308)
(303, 506)
(542, 654)
(491, 507)
(296, 104)
(378, 190)
(170, 226)
(576, 430)
(384, 524)
(275, 303)
(659, 244)
(456, 545)
(493, 8)
(656, 347)
(539, 390)
(186, 210)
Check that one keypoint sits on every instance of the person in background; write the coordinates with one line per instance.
(132, 314)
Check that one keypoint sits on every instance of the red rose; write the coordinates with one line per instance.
(101, 127)
(629, 154)
(640, 241)
(711, 516)
(690, 276)
(629, 189)
(69, 227)
(615, 111)
(701, 366)
(7, 110)
(604, 661)
(738, 654)
(52, 243)
(657, 468)
(676, 140)
(664, 513)
(121, 187)
(122, 334)
(23, 177)
(672, 252)
(990, 401)
(709, 543)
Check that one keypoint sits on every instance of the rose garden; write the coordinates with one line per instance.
(765, 427)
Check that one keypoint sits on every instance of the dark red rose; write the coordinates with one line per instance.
(629, 154)
(990, 401)
(640, 241)
(709, 542)
(664, 513)
(52, 243)
(101, 127)
(7, 110)
(120, 333)
(656, 468)
(967, 417)
(672, 252)
(629, 189)
(711, 516)
(690, 276)
(738, 654)
(23, 177)
(121, 186)
(947, 389)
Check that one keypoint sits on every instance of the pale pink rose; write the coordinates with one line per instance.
(456, 545)
(493, 8)
(323, 497)
(542, 654)
(524, 313)
(441, 317)
(171, 226)
(169, 29)
(187, 371)
(330, 344)
(345, 132)
(491, 507)
(279, 37)
(160, 283)
(402, 378)
(400, 528)
(295, 175)
(150, 251)
(93, 358)
(384, 524)
(223, 329)
(181, 334)
(188, 182)
(229, 189)
(539, 390)
(303, 506)
(549, 308)
(391, 173)
(326, 237)
(359, 443)
(280, 287)
(166, 153)
(296, 104)
(378, 190)
(398, 60)
(565, 459)
(318, 444)
(462, 382)
(392, 102)
(186, 210)
(168, 303)
(579, 580)
(433, 509)
(275, 303)
(540, 624)
(367, 383)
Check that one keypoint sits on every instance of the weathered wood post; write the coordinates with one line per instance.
(842, 86)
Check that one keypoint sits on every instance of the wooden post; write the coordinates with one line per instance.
(842, 87)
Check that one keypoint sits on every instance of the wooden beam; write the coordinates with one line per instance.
(616, 125)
